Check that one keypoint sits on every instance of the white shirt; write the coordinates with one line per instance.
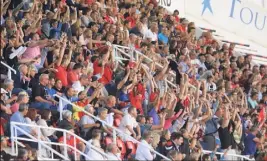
(152, 35)
(77, 86)
(45, 132)
(112, 156)
(143, 152)
(144, 29)
(127, 120)
(94, 155)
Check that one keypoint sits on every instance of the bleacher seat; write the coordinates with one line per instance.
(122, 147)
(130, 149)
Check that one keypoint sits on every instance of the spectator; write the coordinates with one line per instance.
(96, 135)
(93, 153)
(250, 142)
(143, 150)
(23, 97)
(80, 85)
(10, 98)
(113, 152)
(73, 75)
(22, 155)
(40, 97)
(179, 79)
(45, 116)
(128, 124)
(87, 122)
(102, 114)
(174, 155)
(5, 111)
(19, 117)
(70, 96)
(174, 144)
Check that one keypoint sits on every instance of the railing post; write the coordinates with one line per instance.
(65, 144)
(9, 74)
(114, 136)
(12, 137)
(39, 138)
(16, 138)
(60, 109)
(75, 152)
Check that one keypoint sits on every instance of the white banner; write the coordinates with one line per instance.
(240, 17)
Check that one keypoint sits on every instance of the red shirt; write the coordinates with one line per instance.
(136, 101)
(108, 20)
(72, 77)
(177, 18)
(132, 21)
(62, 75)
(107, 76)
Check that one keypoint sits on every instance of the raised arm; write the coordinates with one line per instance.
(122, 82)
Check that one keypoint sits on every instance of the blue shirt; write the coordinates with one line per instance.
(250, 145)
(55, 32)
(152, 113)
(185, 67)
(18, 117)
(51, 92)
(163, 38)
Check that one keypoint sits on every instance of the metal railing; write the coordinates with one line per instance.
(15, 126)
(9, 70)
(138, 53)
(115, 131)
(231, 155)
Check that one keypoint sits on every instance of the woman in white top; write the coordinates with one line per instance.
(31, 118)
(45, 115)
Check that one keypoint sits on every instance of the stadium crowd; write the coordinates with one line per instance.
(181, 96)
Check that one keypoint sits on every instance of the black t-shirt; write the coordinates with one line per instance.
(225, 137)
(185, 147)
(39, 90)
(11, 62)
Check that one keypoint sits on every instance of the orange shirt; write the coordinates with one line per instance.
(181, 28)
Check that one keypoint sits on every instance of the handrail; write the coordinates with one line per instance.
(13, 125)
(139, 53)
(61, 130)
(233, 155)
(9, 70)
(157, 64)
(112, 127)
